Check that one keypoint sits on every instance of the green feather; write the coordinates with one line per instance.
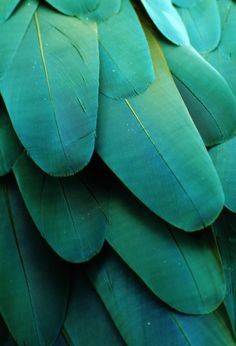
(207, 95)
(63, 209)
(142, 319)
(87, 322)
(149, 141)
(54, 110)
(125, 67)
(156, 251)
(34, 282)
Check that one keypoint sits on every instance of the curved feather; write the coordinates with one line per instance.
(6, 9)
(202, 21)
(207, 95)
(54, 110)
(167, 20)
(64, 211)
(125, 67)
(34, 282)
(142, 319)
(10, 147)
(223, 157)
(149, 141)
(157, 252)
(88, 326)
(98, 10)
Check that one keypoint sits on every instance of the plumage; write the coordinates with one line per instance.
(117, 164)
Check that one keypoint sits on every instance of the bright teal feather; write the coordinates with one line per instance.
(167, 20)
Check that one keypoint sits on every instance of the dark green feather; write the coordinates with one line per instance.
(164, 257)
(34, 283)
(63, 209)
(88, 323)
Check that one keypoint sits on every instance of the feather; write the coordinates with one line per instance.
(87, 321)
(144, 320)
(54, 111)
(125, 67)
(167, 20)
(64, 211)
(207, 95)
(148, 141)
(34, 282)
(202, 21)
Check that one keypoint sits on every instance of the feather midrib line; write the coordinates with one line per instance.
(41, 50)
(168, 166)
